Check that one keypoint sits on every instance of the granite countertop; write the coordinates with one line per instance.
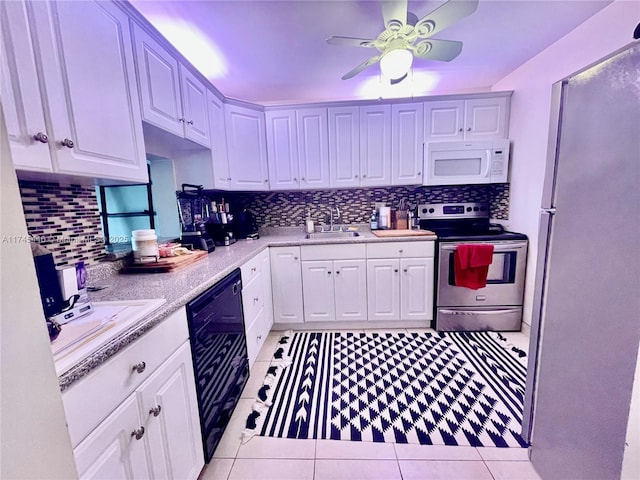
(183, 285)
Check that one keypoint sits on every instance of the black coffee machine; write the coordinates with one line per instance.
(194, 210)
(245, 225)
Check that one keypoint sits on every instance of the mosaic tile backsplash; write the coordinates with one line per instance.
(65, 220)
(289, 209)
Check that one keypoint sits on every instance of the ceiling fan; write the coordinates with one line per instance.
(406, 37)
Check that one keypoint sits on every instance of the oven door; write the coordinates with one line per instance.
(505, 280)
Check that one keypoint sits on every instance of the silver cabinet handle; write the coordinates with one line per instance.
(469, 129)
(337, 272)
(405, 270)
(138, 433)
(419, 173)
(67, 142)
(303, 179)
(155, 411)
(181, 119)
(356, 176)
(253, 269)
(295, 179)
(364, 176)
(256, 299)
(41, 137)
(139, 367)
(400, 251)
(259, 337)
(395, 270)
(295, 258)
(328, 272)
(460, 129)
(266, 180)
(190, 122)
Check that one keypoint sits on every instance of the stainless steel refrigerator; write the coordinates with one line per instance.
(586, 312)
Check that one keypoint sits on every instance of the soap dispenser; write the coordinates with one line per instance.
(309, 223)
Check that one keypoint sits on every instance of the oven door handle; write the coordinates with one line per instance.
(496, 248)
(478, 312)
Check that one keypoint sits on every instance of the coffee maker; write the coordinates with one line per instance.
(194, 210)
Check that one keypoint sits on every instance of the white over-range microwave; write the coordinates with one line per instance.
(463, 163)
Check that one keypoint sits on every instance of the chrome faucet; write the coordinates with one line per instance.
(337, 216)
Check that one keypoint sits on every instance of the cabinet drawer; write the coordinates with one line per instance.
(333, 252)
(252, 298)
(250, 270)
(95, 396)
(400, 249)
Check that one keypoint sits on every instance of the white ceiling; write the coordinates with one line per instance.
(275, 51)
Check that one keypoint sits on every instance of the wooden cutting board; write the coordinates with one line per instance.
(166, 264)
(402, 233)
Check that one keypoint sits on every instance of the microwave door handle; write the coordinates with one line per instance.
(489, 160)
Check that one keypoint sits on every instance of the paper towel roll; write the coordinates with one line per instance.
(384, 217)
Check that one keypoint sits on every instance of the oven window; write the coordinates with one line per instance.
(501, 271)
(457, 167)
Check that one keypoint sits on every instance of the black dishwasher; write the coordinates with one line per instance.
(219, 350)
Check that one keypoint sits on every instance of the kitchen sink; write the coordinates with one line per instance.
(333, 234)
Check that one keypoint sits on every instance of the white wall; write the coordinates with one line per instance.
(35, 442)
(602, 34)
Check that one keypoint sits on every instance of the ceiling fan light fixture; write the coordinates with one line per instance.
(396, 63)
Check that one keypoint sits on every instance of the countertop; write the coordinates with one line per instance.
(183, 285)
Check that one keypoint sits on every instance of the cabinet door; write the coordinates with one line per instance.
(375, 145)
(246, 148)
(383, 289)
(282, 150)
(350, 286)
(20, 90)
(286, 279)
(221, 174)
(344, 146)
(407, 143)
(486, 118)
(317, 290)
(313, 148)
(194, 106)
(265, 262)
(112, 450)
(159, 83)
(93, 105)
(168, 405)
(444, 120)
(416, 289)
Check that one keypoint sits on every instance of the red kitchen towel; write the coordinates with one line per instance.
(471, 265)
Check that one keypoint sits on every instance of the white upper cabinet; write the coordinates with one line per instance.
(282, 150)
(91, 107)
(472, 119)
(246, 148)
(172, 97)
(221, 173)
(313, 147)
(20, 91)
(375, 145)
(407, 143)
(344, 146)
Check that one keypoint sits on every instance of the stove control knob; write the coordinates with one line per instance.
(475, 209)
(468, 209)
(431, 210)
(424, 210)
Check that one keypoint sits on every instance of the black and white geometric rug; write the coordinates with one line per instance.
(462, 388)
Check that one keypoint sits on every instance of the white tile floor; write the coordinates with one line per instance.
(266, 458)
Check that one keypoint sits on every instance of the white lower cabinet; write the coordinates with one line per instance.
(334, 290)
(400, 281)
(286, 281)
(256, 302)
(136, 416)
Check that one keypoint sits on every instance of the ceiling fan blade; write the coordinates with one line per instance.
(394, 13)
(444, 16)
(350, 42)
(361, 67)
(442, 50)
